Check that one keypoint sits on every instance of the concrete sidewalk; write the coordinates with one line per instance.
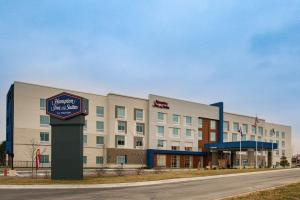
(133, 184)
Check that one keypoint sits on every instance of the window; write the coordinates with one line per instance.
(175, 148)
(120, 140)
(259, 138)
(161, 160)
(160, 117)
(212, 137)
(266, 132)
(282, 134)
(200, 121)
(226, 126)
(100, 126)
(245, 128)
(140, 128)
(283, 152)
(187, 161)
(122, 126)
(234, 137)
(175, 161)
(42, 104)
(120, 112)
(176, 119)
(260, 131)
(44, 120)
(84, 140)
(85, 124)
(225, 137)
(99, 111)
(277, 152)
(188, 133)
(188, 148)
(138, 114)
(175, 132)
(236, 126)
(138, 141)
(99, 140)
(44, 137)
(121, 160)
(44, 158)
(252, 137)
(188, 120)
(161, 131)
(84, 159)
(253, 129)
(277, 141)
(160, 143)
(212, 124)
(199, 135)
(277, 134)
(244, 137)
(282, 144)
(99, 160)
(271, 133)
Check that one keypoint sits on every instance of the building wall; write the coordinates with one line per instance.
(27, 125)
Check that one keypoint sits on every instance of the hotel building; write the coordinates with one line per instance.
(153, 132)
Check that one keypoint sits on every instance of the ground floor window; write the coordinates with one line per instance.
(188, 161)
(99, 159)
(122, 159)
(161, 160)
(175, 161)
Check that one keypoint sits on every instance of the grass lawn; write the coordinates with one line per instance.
(285, 192)
(128, 178)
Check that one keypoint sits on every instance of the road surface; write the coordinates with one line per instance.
(204, 189)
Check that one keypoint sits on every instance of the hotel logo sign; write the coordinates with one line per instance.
(161, 104)
(64, 106)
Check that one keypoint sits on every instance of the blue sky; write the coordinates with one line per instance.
(245, 53)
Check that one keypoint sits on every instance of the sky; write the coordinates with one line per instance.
(244, 53)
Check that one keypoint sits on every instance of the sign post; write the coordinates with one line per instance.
(67, 118)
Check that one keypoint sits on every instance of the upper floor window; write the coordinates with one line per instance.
(100, 126)
(245, 128)
(120, 112)
(44, 158)
(199, 135)
(44, 137)
(99, 140)
(225, 137)
(138, 141)
(236, 126)
(120, 140)
(140, 128)
(259, 138)
(100, 111)
(212, 124)
(99, 160)
(252, 137)
(200, 122)
(277, 134)
(188, 133)
(44, 120)
(138, 114)
(84, 140)
(176, 119)
(176, 148)
(160, 117)
(234, 137)
(260, 131)
(122, 126)
(84, 159)
(176, 132)
(283, 144)
(161, 143)
(282, 134)
(42, 104)
(161, 131)
(253, 129)
(212, 137)
(244, 137)
(188, 120)
(226, 125)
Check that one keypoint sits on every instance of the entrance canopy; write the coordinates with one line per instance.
(245, 145)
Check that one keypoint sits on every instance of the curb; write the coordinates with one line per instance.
(133, 184)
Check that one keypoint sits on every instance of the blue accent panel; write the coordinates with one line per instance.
(151, 152)
(220, 105)
(245, 145)
(10, 121)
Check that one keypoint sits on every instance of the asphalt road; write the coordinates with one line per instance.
(204, 189)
